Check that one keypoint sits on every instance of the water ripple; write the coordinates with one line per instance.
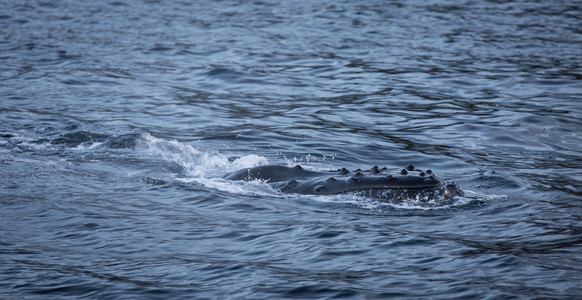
(118, 120)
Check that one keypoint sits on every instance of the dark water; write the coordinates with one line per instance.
(118, 119)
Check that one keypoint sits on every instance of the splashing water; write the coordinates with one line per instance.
(196, 163)
(208, 167)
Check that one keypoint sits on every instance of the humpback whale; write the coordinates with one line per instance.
(409, 183)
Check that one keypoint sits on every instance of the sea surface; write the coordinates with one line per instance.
(120, 118)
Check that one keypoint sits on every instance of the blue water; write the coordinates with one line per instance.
(118, 120)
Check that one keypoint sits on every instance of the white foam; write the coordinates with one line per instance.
(244, 188)
(411, 204)
(203, 167)
(248, 161)
(87, 146)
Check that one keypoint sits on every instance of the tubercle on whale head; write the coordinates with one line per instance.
(375, 181)
(452, 189)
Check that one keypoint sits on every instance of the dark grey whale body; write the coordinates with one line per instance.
(409, 183)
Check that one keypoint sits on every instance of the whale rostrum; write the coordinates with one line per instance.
(408, 183)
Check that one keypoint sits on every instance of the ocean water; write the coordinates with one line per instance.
(119, 119)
